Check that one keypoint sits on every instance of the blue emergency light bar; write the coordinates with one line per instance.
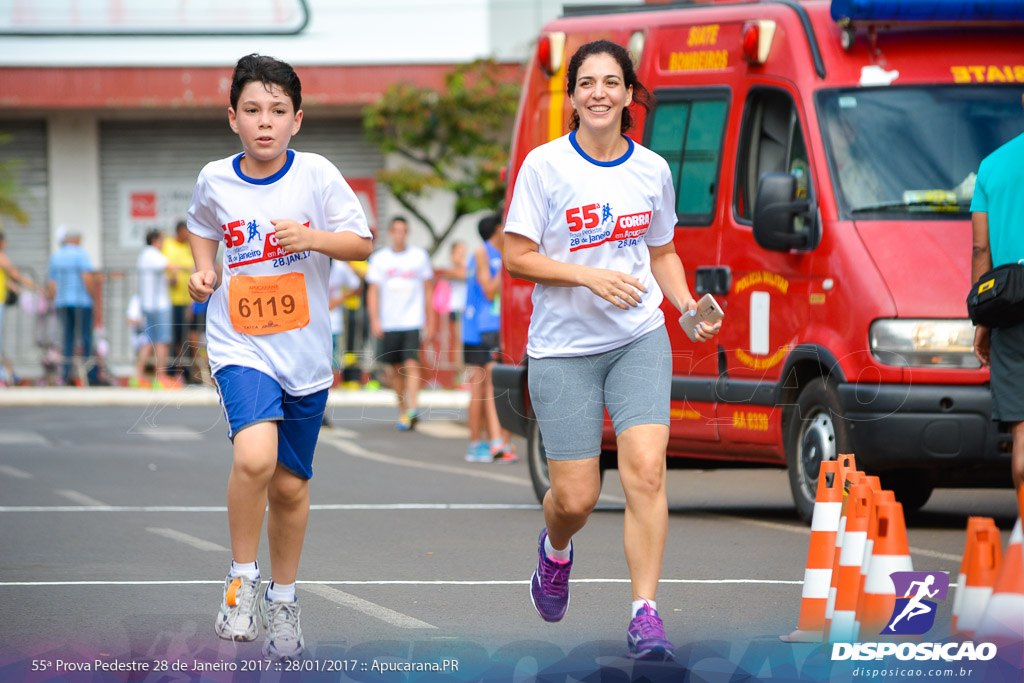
(867, 11)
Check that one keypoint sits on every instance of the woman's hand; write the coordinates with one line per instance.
(620, 289)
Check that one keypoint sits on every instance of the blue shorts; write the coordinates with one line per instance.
(157, 326)
(569, 395)
(250, 396)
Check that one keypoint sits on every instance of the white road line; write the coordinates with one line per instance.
(360, 452)
(14, 472)
(9, 437)
(308, 584)
(439, 429)
(806, 531)
(368, 608)
(174, 535)
(169, 433)
(80, 498)
(321, 507)
(342, 432)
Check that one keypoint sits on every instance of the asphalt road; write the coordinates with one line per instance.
(115, 545)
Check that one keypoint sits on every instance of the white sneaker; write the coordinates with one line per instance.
(237, 617)
(284, 636)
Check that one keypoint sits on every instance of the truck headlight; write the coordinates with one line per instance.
(924, 343)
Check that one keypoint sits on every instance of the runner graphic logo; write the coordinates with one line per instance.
(914, 613)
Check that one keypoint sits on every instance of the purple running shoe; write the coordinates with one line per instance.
(549, 588)
(646, 636)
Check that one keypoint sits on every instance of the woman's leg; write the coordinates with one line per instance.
(642, 471)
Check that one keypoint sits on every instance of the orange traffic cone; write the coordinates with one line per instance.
(983, 562)
(891, 553)
(850, 478)
(1003, 619)
(842, 628)
(973, 524)
(828, 507)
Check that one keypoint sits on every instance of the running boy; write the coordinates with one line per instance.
(283, 215)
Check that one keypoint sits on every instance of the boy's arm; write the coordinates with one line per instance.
(202, 282)
(343, 245)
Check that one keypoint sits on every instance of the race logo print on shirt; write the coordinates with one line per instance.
(588, 228)
(242, 251)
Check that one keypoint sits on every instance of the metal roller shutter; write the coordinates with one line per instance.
(28, 246)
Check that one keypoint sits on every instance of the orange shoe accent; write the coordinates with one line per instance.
(828, 508)
(232, 596)
(890, 553)
(1003, 620)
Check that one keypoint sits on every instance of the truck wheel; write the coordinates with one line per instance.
(817, 431)
(537, 459)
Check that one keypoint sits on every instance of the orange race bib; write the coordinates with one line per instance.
(268, 304)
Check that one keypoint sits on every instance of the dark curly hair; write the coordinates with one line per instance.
(268, 71)
(606, 47)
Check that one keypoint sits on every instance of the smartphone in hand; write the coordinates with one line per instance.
(708, 311)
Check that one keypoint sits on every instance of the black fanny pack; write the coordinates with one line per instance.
(997, 298)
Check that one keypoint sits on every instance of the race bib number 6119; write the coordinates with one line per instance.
(268, 304)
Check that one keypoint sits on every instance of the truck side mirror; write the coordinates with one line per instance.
(776, 214)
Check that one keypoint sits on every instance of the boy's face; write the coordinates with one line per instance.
(265, 121)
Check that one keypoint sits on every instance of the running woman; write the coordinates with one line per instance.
(591, 222)
(283, 215)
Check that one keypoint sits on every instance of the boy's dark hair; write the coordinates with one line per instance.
(398, 219)
(152, 236)
(488, 225)
(268, 71)
(629, 78)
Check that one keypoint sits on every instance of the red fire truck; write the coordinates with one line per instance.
(824, 161)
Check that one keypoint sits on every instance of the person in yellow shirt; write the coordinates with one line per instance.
(179, 255)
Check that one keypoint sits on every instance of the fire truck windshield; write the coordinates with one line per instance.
(914, 149)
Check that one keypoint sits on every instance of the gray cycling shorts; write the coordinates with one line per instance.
(1007, 355)
(569, 395)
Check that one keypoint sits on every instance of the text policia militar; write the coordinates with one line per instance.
(947, 652)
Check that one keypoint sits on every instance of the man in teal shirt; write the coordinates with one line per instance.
(998, 226)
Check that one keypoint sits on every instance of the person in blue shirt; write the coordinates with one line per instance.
(72, 284)
(481, 321)
(997, 210)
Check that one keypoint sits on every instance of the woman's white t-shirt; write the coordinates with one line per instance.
(229, 206)
(601, 214)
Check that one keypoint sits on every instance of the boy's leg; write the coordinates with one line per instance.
(255, 463)
(286, 523)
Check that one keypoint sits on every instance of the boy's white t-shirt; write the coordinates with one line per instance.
(601, 214)
(154, 294)
(399, 276)
(342, 278)
(227, 205)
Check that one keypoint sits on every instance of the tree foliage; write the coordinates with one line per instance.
(455, 140)
(10, 188)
